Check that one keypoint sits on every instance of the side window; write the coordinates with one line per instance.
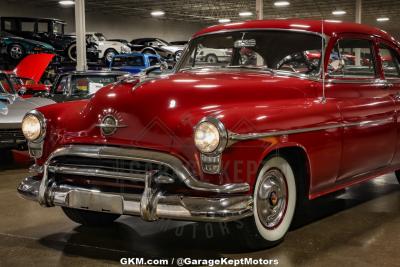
(10, 25)
(43, 27)
(153, 61)
(390, 61)
(27, 26)
(352, 58)
(62, 85)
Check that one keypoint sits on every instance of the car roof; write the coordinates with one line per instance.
(329, 27)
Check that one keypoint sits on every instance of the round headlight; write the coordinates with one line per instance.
(32, 127)
(210, 136)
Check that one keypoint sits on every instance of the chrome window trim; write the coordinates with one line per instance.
(250, 136)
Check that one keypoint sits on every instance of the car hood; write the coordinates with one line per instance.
(158, 113)
(13, 109)
(33, 66)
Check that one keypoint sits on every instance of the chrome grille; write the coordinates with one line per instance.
(134, 171)
(11, 136)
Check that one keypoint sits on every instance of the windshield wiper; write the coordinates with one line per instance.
(264, 68)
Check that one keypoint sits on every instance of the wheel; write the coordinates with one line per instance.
(90, 218)
(398, 175)
(16, 51)
(211, 58)
(149, 51)
(109, 54)
(71, 52)
(178, 55)
(275, 197)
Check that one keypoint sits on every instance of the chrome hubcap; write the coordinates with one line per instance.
(272, 198)
(16, 52)
(109, 56)
(211, 60)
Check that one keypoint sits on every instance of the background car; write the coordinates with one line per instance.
(12, 111)
(78, 85)
(134, 62)
(158, 46)
(50, 31)
(107, 49)
(17, 48)
(28, 77)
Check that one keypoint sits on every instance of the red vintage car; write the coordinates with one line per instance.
(28, 75)
(252, 139)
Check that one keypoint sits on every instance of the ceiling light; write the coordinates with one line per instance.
(382, 19)
(245, 14)
(157, 13)
(66, 3)
(338, 12)
(281, 3)
(224, 20)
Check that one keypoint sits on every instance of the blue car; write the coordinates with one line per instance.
(134, 62)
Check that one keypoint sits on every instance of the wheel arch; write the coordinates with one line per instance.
(297, 157)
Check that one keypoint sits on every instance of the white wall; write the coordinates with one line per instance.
(112, 26)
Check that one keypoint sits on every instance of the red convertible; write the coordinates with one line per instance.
(252, 139)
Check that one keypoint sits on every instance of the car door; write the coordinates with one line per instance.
(367, 108)
(389, 59)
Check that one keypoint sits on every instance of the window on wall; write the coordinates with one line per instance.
(390, 61)
(352, 58)
(27, 26)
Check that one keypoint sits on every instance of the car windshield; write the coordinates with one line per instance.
(163, 42)
(100, 36)
(133, 61)
(5, 85)
(88, 85)
(273, 50)
(58, 28)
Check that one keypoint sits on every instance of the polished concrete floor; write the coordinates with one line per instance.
(358, 227)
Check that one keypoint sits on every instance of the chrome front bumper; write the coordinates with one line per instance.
(151, 204)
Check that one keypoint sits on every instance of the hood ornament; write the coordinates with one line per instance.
(109, 125)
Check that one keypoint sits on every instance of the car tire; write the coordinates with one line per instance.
(149, 51)
(16, 51)
(71, 52)
(90, 218)
(398, 175)
(211, 58)
(109, 54)
(275, 190)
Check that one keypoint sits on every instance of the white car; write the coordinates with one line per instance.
(107, 49)
(211, 55)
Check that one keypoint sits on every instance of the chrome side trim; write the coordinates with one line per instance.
(250, 136)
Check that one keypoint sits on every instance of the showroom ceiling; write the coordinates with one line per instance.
(209, 11)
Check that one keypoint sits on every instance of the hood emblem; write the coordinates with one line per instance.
(109, 125)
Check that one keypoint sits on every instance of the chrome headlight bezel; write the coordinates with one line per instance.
(222, 132)
(42, 121)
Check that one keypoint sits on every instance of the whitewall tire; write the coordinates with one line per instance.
(275, 197)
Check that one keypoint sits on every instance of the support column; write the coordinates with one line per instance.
(357, 52)
(358, 11)
(259, 9)
(80, 28)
